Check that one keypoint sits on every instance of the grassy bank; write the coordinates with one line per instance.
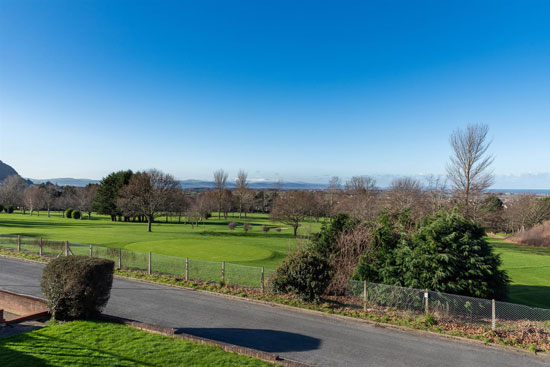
(529, 271)
(86, 343)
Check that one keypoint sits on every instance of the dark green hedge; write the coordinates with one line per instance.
(77, 287)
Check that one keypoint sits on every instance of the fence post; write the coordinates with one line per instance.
(186, 269)
(365, 295)
(91, 251)
(426, 295)
(263, 277)
(149, 264)
(66, 248)
(119, 258)
(40, 246)
(18, 243)
(493, 315)
(223, 271)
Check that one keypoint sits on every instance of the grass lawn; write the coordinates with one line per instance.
(211, 241)
(86, 343)
(529, 270)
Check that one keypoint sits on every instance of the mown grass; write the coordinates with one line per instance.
(87, 343)
(212, 240)
(529, 271)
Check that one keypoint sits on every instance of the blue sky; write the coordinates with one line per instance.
(292, 90)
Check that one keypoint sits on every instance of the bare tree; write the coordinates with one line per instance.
(334, 188)
(147, 193)
(469, 168)
(33, 198)
(242, 189)
(435, 193)
(293, 207)
(407, 194)
(220, 180)
(11, 191)
(84, 199)
(361, 184)
(525, 211)
(50, 194)
(361, 199)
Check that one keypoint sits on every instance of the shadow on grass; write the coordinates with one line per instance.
(271, 341)
(530, 295)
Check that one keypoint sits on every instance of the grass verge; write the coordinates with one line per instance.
(93, 343)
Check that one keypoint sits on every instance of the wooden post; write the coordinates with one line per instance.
(40, 246)
(223, 271)
(365, 295)
(66, 248)
(186, 269)
(149, 264)
(426, 295)
(494, 315)
(91, 251)
(119, 258)
(18, 243)
(263, 280)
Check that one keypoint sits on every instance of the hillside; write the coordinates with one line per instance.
(6, 170)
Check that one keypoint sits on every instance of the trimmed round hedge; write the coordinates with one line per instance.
(76, 214)
(77, 287)
(69, 213)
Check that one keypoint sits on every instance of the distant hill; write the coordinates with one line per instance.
(67, 181)
(6, 170)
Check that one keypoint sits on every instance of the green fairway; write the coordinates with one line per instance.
(212, 240)
(85, 343)
(529, 270)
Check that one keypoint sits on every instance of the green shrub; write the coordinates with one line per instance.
(303, 273)
(1, 208)
(69, 213)
(76, 214)
(9, 209)
(77, 287)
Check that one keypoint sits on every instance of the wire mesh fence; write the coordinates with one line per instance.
(361, 294)
(190, 269)
(444, 306)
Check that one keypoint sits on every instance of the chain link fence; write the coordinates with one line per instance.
(444, 306)
(189, 269)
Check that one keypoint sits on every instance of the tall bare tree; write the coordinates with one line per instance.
(147, 193)
(407, 194)
(220, 180)
(242, 189)
(469, 168)
(33, 199)
(293, 207)
(11, 191)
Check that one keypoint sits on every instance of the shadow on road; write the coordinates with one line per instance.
(271, 341)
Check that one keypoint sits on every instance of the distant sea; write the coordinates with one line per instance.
(521, 191)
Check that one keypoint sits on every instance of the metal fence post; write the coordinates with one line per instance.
(493, 315)
(119, 258)
(91, 251)
(186, 269)
(365, 295)
(223, 271)
(426, 295)
(18, 243)
(149, 264)
(263, 277)
(66, 248)
(40, 251)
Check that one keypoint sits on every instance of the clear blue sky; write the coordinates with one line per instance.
(298, 90)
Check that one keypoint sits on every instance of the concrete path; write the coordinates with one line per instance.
(315, 339)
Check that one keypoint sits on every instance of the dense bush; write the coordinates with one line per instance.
(69, 213)
(265, 228)
(1, 208)
(446, 252)
(232, 225)
(247, 227)
(77, 287)
(76, 214)
(9, 209)
(324, 242)
(303, 273)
